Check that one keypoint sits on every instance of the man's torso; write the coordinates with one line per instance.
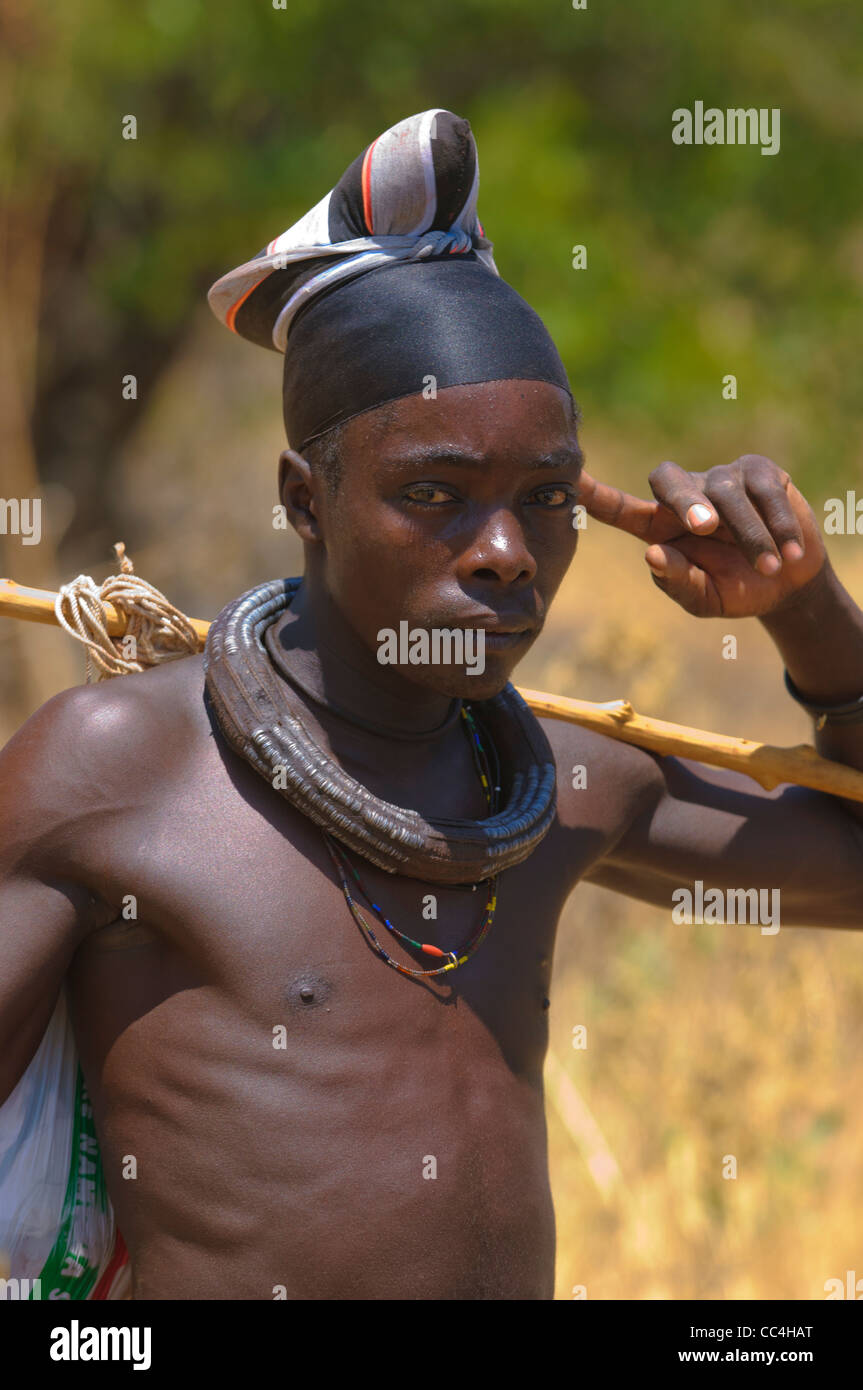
(300, 1114)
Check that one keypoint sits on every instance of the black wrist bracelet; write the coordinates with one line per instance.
(849, 713)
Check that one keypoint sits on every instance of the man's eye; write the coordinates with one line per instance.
(554, 496)
(428, 493)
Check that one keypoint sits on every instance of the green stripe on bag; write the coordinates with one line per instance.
(69, 1271)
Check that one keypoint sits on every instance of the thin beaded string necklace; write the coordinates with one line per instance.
(491, 789)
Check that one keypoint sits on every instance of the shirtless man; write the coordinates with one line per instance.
(303, 1167)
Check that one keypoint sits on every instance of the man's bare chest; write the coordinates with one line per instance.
(228, 901)
(233, 1018)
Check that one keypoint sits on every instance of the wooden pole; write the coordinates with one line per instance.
(767, 764)
(37, 606)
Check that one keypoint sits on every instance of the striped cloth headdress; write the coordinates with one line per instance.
(354, 333)
(411, 194)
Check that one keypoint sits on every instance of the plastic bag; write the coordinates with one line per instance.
(56, 1221)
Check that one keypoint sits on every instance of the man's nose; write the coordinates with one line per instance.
(498, 551)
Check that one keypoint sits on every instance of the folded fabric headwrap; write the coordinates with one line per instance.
(389, 280)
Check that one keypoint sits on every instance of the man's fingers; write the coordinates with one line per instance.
(747, 503)
(770, 496)
(647, 520)
(682, 494)
(689, 585)
(745, 522)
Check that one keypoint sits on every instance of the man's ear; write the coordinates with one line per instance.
(299, 495)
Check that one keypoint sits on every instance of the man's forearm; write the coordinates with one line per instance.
(819, 634)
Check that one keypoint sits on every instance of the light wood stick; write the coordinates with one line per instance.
(769, 765)
(37, 606)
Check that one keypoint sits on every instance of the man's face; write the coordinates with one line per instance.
(455, 513)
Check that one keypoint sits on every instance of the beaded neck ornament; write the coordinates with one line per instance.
(453, 958)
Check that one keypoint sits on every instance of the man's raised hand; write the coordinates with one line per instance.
(733, 542)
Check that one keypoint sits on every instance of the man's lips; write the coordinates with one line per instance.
(501, 640)
(498, 622)
(503, 634)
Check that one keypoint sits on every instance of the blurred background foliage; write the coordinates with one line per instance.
(702, 261)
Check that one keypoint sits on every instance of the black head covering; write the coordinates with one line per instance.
(387, 283)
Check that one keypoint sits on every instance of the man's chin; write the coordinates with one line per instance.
(466, 683)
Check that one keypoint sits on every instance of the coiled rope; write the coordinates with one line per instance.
(155, 630)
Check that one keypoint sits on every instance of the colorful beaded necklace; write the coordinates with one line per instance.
(491, 788)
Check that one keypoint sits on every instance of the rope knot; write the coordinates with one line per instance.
(155, 631)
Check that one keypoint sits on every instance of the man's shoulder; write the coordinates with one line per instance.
(89, 739)
(600, 777)
(158, 707)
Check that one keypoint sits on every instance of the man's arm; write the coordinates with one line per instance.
(819, 634)
(692, 823)
(46, 909)
(738, 541)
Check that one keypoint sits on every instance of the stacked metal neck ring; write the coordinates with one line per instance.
(256, 715)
